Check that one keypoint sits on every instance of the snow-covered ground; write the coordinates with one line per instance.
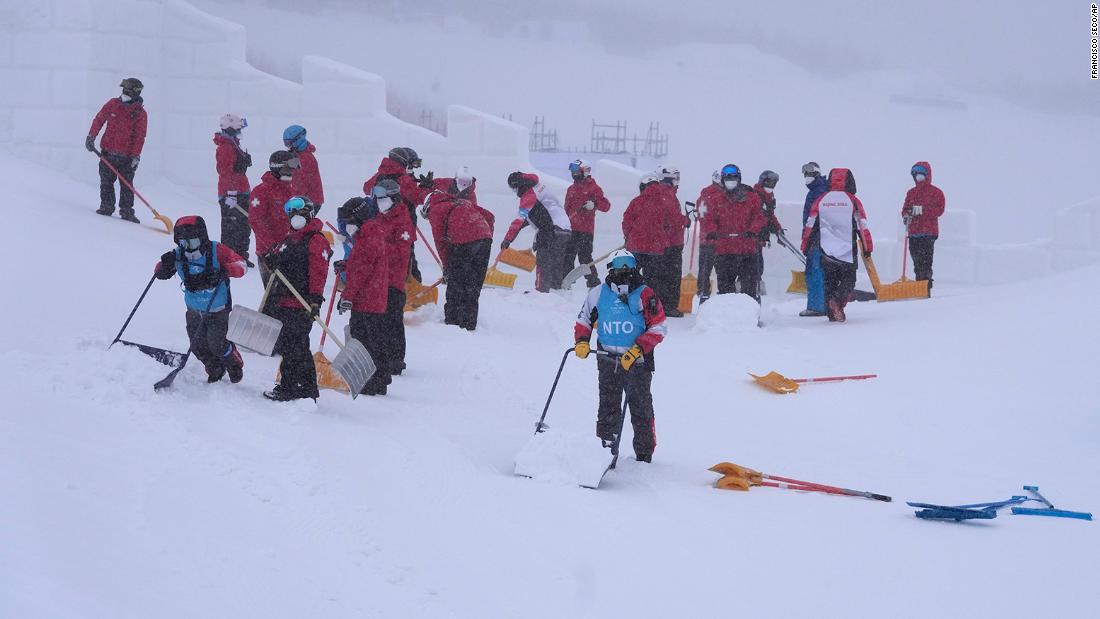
(210, 501)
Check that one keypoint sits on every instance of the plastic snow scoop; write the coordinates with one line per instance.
(521, 259)
(578, 272)
(419, 294)
(167, 381)
(689, 284)
(1049, 510)
(327, 378)
(497, 278)
(254, 330)
(122, 179)
(170, 358)
(781, 384)
(973, 511)
(902, 289)
(798, 278)
(756, 478)
(558, 455)
(354, 363)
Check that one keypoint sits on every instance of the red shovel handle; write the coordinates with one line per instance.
(429, 246)
(833, 379)
(328, 316)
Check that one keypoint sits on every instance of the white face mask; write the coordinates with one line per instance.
(352, 229)
(384, 204)
(620, 289)
(769, 189)
(298, 222)
(919, 177)
(126, 98)
(808, 179)
(731, 185)
(193, 255)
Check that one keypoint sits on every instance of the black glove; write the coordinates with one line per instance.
(89, 143)
(866, 255)
(340, 267)
(167, 267)
(426, 181)
(243, 162)
(315, 302)
(343, 306)
(712, 236)
(504, 245)
(270, 260)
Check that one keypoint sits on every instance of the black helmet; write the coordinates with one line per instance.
(811, 169)
(283, 163)
(190, 227)
(356, 210)
(131, 86)
(405, 156)
(386, 187)
(769, 178)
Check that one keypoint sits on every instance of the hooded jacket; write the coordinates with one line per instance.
(651, 221)
(931, 198)
(126, 123)
(368, 269)
(307, 179)
(837, 215)
(266, 214)
(456, 221)
(703, 211)
(228, 161)
(399, 235)
(581, 219)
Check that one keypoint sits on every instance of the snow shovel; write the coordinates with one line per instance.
(327, 378)
(781, 384)
(122, 179)
(737, 477)
(254, 330)
(902, 289)
(419, 294)
(1050, 510)
(689, 284)
(497, 278)
(170, 358)
(354, 363)
(798, 278)
(572, 276)
(521, 259)
(557, 455)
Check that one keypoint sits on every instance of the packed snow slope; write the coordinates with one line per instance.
(208, 500)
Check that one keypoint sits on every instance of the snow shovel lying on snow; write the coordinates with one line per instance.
(170, 358)
(354, 363)
(122, 179)
(497, 278)
(904, 288)
(561, 456)
(254, 330)
(521, 259)
(736, 477)
(1050, 510)
(577, 273)
(781, 384)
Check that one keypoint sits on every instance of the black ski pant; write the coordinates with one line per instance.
(840, 279)
(236, 232)
(652, 269)
(466, 267)
(636, 383)
(737, 272)
(551, 257)
(370, 330)
(921, 248)
(107, 178)
(298, 374)
(672, 277)
(582, 254)
(706, 265)
(393, 333)
(207, 334)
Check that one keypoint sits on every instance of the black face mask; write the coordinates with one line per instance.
(578, 178)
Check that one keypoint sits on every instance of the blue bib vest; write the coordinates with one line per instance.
(199, 300)
(620, 323)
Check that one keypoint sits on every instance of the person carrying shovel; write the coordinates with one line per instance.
(631, 323)
(123, 140)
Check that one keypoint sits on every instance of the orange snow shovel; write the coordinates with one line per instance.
(689, 284)
(419, 294)
(781, 384)
(496, 277)
(904, 288)
(737, 477)
(521, 259)
(122, 179)
(327, 378)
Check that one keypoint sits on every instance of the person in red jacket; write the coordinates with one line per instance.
(553, 234)
(365, 294)
(302, 258)
(400, 165)
(672, 267)
(924, 204)
(307, 181)
(706, 228)
(121, 146)
(462, 185)
(204, 267)
(463, 233)
(232, 162)
(837, 216)
(765, 188)
(267, 214)
(738, 224)
(399, 236)
(583, 198)
(646, 230)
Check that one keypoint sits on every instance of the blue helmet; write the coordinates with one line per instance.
(294, 137)
(298, 204)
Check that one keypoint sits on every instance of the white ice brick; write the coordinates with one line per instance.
(51, 49)
(24, 87)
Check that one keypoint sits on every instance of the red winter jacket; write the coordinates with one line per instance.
(650, 221)
(705, 213)
(767, 202)
(225, 161)
(931, 198)
(319, 254)
(267, 214)
(581, 219)
(456, 222)
(399, 236)
(676, 233)
(307, 179)
(126, 127)
(368, 269)
(738, 221)
(448, 185)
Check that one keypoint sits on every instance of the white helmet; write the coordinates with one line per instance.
(232, 122)
(669, 174)
(716, 178)
(580, 165)
(463, 178)
(647, 179)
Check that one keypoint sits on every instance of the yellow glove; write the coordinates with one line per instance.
(630, 356)
(582, 349)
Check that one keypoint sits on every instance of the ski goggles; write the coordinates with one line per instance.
(731, 170)
(575, 167)
(291, 139)
(769, 179)
(191, 244)
(811, 169)
(296, 204)
(919, 169)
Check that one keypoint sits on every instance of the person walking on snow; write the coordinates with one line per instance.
(204, 267)
(706, 228)
(307, 181)
(553, 233)
(816, 185)
(649, 221)
(738, 225)
(232, 162)
(836, 217)
(924, 204)
(400, 165)
(124, 138)
(302, 257)
(631, 323)
(583, 198)
(765, 188)
(267, 210)
(463, 233)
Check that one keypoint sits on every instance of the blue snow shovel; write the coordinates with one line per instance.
(1049, 510)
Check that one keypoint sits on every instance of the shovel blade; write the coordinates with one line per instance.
(521, 259)
(566, 458)
(164, 220)
(355, 365)
(798, 282)
(572, 276)
(500, 279)
(253, 330)
(776, 382)
(903, 289)
(327, 378)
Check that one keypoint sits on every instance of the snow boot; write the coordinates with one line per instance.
(105, 209)
(235, 365)
(809, 313)
(129, 216)
(833, 310)
(644, 457)
(398, 368)
(215, 373)
(278, 394)
(673, 312)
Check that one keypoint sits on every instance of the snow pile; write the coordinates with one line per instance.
(727, 313)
